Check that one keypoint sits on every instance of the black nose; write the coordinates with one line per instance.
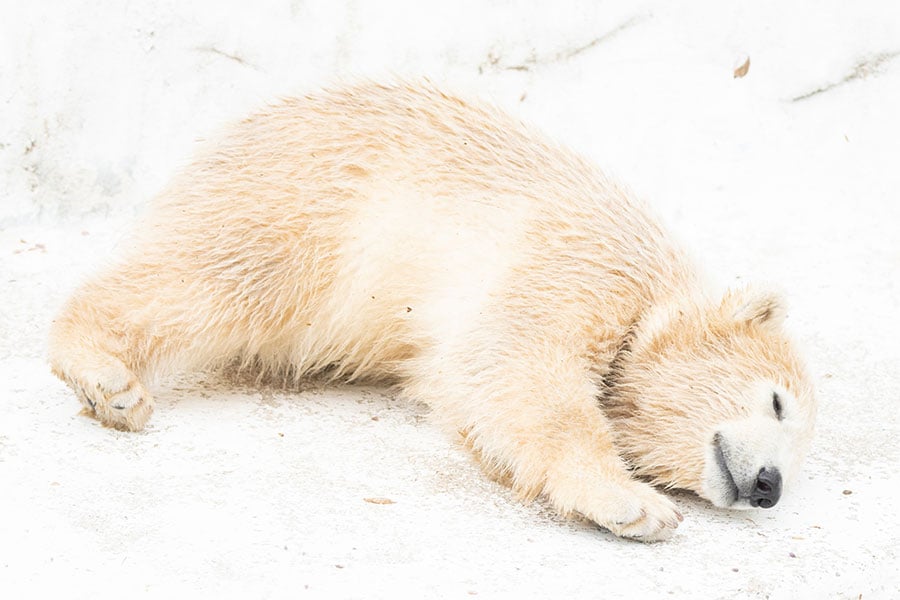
(767, 490)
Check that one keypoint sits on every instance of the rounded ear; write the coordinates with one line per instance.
(755, 307)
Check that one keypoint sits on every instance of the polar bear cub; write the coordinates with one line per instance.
(398, 233)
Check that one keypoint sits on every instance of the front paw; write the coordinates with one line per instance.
(608, 496)
(635, 510)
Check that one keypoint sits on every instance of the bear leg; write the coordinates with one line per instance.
(99, 351)
(530, 414)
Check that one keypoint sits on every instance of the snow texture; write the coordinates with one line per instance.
(787, 175)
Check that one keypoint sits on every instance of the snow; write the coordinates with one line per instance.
(788, 175)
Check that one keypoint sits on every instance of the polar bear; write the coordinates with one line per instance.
(401, 234)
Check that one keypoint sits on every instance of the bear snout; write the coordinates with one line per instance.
(767, 489)
(736, 482)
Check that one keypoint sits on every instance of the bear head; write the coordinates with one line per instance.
(710, 396)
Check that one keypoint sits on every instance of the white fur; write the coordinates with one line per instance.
(396, 232)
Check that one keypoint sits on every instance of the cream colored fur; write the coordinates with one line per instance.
(397, 233)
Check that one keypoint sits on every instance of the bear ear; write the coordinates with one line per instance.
(756, 307)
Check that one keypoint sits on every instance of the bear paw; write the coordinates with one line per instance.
(114, 395)
(639, 512)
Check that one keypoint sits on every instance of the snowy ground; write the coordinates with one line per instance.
(788, 175)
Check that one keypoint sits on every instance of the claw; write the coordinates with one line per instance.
(86, 399)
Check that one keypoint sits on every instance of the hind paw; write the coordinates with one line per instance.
(114, 395)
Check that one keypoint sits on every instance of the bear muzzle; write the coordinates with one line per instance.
(739, 486)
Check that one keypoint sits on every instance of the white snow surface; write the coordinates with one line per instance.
(789, 175)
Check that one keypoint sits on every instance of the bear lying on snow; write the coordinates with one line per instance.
(397, 233)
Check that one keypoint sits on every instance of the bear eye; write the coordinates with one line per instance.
(776, 405)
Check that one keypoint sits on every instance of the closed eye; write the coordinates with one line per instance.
(776, 405)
